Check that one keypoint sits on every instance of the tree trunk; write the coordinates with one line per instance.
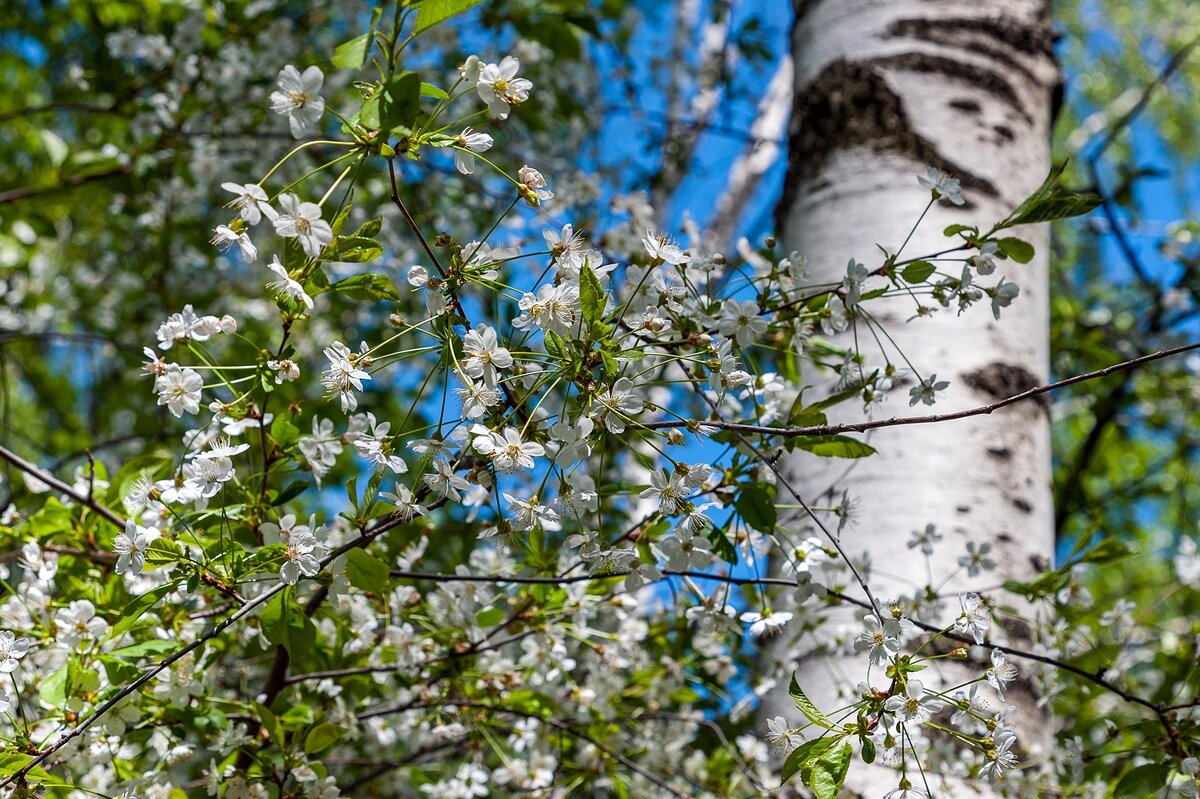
(885, 88)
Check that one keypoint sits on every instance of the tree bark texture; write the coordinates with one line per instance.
(884, 89)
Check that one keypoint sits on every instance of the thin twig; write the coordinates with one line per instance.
(858, 427)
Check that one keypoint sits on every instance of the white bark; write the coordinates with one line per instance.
(884, 89)
(762, 151)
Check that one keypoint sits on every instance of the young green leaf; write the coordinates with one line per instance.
(829, 772)
(352, 54)
(1051, 201)
(834, 446)
(810, 710)
(917, 272)
(756, 505)
(591, 296)
(366, 571)
(1019, 250)
(431, 12)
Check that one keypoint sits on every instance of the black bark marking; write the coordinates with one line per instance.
(1000, 453)
(966, 106)
(963, 509)
(1001, 380)
(849, 104)
(987, 80)
(1004, 131)
(995, 38)
(1021, 505)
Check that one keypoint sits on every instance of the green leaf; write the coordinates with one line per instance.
(53, 690)
(431, 12)
(843, 395)
(370, 286)
(140, 604)
(154, 646)
(284, 432)
(12, 762)
(490, 617)
(555, 347)
(802, 753)
(436, 92)
(756, 505)
(868, 750)
(352, 54)
(829, 772)
(721, 545)
(284, 623)
(1142, 781)
(954, 230)
(917, 272)
(810, 710)
(1051, 201)
(366, 571)
(834, 446)
(591, 296)
(119, 672)
(1107, 551)
(1019, 250)
(321, 737)
(353, 250)
(395, 103)
(162, 552)
(270, 724)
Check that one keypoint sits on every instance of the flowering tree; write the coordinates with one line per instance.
(430, 493)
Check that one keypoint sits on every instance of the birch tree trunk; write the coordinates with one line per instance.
(885, 88)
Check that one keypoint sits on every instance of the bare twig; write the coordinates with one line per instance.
(858, 427)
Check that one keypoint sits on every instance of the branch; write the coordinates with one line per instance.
(60, 486)
(67, 183)
(858, 427)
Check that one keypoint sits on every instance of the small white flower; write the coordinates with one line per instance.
(484, 357)
(1001, 672)
(500, 88)
(660, 248)
(466, 144)
(130, 546)
(78, 623)
(767, 623)
(742, 321)
(406, 505)
(1002, 296)
(615, 404)
(532, 186)
(286, 286)
(926, 390)
(875, 640)
(975, 617)
(251, 201)
(913, 705)
(507, 451)
(781, 736)
(12, 649)
(298, 557)
(298, 96)
(302, 221)
(225, 236)
(179, 389)
(942, 185)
